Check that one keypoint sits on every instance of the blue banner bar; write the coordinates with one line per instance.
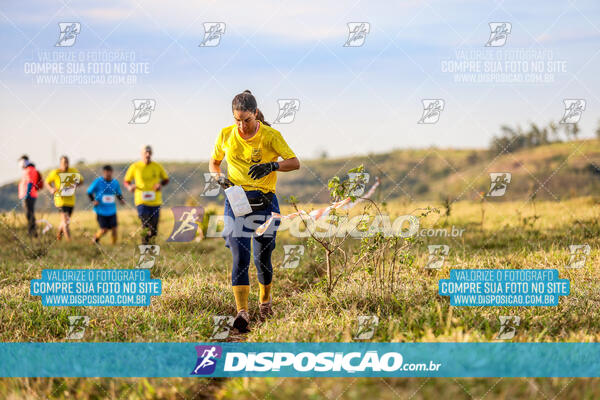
(300, 359)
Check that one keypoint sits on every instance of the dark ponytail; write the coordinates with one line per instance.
(245, 101)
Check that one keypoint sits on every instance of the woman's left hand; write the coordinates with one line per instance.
(258, 171)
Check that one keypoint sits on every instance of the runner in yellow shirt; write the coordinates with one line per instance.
(146, 178)
(62, 183)
(252, 150)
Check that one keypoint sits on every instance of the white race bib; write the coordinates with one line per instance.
(149, 196)
(108, 198)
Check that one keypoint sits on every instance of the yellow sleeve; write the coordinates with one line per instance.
(281, 147)
(129, 174)
(51, 177)
(218, 152)
(162, 173)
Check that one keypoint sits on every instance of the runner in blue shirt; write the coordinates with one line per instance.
(104, 192)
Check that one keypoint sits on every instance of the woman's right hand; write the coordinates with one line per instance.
(224, 182)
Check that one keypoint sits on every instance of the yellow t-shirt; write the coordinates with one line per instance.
(145, 177)
(266, 146)
(54, 178)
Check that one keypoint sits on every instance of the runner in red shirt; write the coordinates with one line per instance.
(30, 183)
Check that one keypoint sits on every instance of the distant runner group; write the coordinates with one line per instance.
(145, 178)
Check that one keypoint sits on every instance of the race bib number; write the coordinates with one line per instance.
(149, 196)
(108, 198)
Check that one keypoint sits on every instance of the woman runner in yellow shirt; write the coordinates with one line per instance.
(252, 150)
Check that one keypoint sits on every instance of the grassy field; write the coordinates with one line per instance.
(196, 278)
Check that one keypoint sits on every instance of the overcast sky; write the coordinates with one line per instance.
(353, 99)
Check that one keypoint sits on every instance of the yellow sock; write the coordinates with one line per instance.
(265, 292)
(241, 293)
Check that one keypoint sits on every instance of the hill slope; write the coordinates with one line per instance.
(553, 172)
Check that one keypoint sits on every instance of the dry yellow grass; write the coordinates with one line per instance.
(196, 286)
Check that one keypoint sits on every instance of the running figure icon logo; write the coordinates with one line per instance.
(211, 186)
(357, 33)
(367, 325)
(77, 325)
(579, 255)
(186, 224)
(222, 326)
(573, 110)
(432, 109)
(142, 110)
(508, 327)
(498, 183)
(358, 181)
(207, 359)
(68, 183)
(47, 225)
(212, 34)
(499, 32)
(148, 254)
(292, 255)
(287, 111)
(437, 255)
(68, 33)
